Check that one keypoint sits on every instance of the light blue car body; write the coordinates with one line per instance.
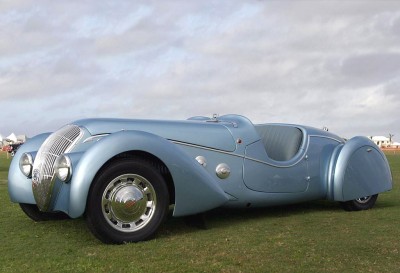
(318, 165)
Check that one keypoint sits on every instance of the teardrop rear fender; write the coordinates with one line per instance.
(195, 189)
(360, 169)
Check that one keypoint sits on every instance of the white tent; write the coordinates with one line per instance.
(22, 138)
(12, 138)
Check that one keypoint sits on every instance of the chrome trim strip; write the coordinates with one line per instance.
(272, 164)
(205, 148)
(276, 165)
(284, 166)
(245, 157)
(95, 137)
(331, 138)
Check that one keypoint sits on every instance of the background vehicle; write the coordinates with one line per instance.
(12, 148)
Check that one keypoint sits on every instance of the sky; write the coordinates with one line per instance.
(332, 64)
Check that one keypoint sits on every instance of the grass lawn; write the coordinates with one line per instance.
(311, 237)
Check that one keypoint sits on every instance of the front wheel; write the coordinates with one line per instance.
(127, 202)
(363, 203)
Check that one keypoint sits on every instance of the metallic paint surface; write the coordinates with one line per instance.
(374, 174)
(186, 171)
(325, 166)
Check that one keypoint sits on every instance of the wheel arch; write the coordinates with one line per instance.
(152, 159)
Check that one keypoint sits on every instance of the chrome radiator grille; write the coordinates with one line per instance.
(56, 144)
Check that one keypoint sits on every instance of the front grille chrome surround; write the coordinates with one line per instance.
(43, 176)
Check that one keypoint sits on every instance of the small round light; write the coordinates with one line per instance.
(26, 164)
(223, 171)
(63, 168)
(202, 161)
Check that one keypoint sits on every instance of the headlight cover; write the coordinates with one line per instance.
(63, 168)
(26, 164)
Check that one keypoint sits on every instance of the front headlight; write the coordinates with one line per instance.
(63, 168)
(26, 164)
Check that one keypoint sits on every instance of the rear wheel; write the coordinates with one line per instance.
(33, 212)
(128, 201)
(363, 203)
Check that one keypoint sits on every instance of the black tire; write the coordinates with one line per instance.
(127, 202)
(33, 212)
(360, 204)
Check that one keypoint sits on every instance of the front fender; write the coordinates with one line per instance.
(361, 170)
(195, 189)
(19, 186)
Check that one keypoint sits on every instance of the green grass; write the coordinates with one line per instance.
(311, 237)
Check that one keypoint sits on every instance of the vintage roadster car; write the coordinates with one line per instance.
(125, 175)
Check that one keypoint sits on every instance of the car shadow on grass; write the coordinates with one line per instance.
(223, 217)
(76, 231)
(228, 216)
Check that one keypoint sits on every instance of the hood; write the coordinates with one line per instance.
(201, 133)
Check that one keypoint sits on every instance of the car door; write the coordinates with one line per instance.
(261, 173)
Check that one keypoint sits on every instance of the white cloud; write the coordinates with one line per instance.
(322, 63)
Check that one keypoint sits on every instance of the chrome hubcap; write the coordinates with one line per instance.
(363, 200)
(129, 202)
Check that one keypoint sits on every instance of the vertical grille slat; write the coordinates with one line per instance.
(56, 144)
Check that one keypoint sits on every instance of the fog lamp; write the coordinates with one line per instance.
(63, 168)
(26, 164)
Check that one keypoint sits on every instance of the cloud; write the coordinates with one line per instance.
(322, 63)
(371, 69)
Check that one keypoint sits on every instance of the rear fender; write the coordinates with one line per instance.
(195, 189)
(361, 169)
